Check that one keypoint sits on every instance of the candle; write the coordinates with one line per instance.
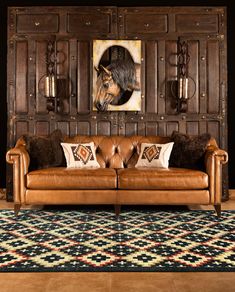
(47, 86)
(180, 87)
(52, 86)
(186, 88)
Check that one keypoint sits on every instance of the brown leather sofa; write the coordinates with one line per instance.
(117, 181)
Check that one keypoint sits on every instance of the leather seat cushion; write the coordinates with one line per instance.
(72, 178)
(161, 179)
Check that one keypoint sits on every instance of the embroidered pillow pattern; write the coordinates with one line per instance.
(82, 153)
(152, 152)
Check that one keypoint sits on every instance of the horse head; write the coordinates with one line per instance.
(112, 81)
(107, 89)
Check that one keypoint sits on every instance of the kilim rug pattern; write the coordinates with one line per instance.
(95, 240)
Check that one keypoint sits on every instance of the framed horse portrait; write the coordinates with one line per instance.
(116, 75)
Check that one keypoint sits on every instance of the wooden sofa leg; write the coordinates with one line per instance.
(218, 210)
(17, 209)
(117, 209)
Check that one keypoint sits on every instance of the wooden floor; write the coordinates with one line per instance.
(125, 282)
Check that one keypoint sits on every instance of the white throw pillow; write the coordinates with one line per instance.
(154, 155)
(80, 155)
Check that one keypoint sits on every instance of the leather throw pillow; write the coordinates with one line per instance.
(188, 151)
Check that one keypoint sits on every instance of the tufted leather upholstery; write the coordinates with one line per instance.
(117, 151)
(117, 181)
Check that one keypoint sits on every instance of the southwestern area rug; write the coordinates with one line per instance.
(88, 239)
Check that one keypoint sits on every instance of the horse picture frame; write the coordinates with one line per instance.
(116, 75)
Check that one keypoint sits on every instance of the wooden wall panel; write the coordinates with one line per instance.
(62, 58)
(41, 48)
(64, 126)
(88, 23)
(142, 22)
(131, 129)
(62, 71)
(42, 128)
(145, 22)
(151, 128)
(93, 128)
(162, 128)
(73, 75)
(203, 76)
(104, 128)
(202, 127)
(83, 77)
(196, 23)
(170, 127)
(161, 72)
(92, 22)
(170, 62)
(31, 78)
(192, 128)
(21, 102)
(213, 127)
(21, 127)
(213, 78)
(35, 23)
(151, 53)
(84, 128)
(193, 103)
(73, 128)
(141, 129)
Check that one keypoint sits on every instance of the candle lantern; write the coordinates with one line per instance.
(50, 81)
(183, 77)
(54, 86)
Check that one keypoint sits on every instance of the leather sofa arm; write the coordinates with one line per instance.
(214, 158)
(19, 157)
(215, 151)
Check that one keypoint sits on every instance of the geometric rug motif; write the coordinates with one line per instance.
(94, 239)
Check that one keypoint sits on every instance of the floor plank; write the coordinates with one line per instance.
(117, 282)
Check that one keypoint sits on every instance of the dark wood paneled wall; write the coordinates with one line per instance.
(159, 29)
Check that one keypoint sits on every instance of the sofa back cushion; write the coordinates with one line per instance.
(117, 151)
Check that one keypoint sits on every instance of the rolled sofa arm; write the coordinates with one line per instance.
(214, 158)
(19, 157)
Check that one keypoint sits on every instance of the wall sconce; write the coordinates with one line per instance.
(183, 78)
(53, 86)
(50, 79)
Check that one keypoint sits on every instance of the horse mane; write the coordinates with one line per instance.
(123, 73)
